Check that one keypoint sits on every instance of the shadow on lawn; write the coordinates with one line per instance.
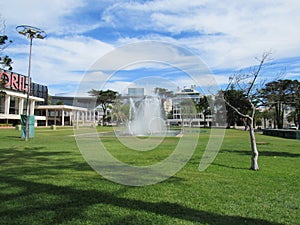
(73, 204)
(231, 167)
(27, 153)
(262, 153)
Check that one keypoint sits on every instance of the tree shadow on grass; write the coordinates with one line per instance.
(14, 137)
(27, 153)
(231, 167)
(262, 153)
(72, 205)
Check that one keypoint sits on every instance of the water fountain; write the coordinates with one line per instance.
(145, 117)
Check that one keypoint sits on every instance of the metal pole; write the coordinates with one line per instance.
(29, 32)
(28, 93)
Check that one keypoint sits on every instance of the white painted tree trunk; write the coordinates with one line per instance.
(254, 157)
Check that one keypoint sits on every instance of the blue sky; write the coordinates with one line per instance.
(225, 35)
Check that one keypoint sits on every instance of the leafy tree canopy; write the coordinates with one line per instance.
(104, 99)
(237, 99)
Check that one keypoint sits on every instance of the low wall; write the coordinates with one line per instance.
(285, 133)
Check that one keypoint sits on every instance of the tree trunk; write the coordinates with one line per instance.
(277, 111)
(298, 121)
(264, 123)
(104, 115)
(281, 117)
(254, 158)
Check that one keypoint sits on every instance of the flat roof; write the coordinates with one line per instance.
(61, 107)
(21, 95)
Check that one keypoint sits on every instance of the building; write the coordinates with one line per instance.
(136, 92)
(79, 111)
(188, 93)
(13, 97)
(62, 115)
(70, 111)
(189, 117)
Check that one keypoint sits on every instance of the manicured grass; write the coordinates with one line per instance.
(47, 181)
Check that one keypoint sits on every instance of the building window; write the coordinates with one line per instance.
(14, 105)
(2, 104)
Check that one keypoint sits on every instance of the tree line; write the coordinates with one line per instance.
(275, 101)
(272, 102)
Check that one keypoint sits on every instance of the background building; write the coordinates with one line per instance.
(13, 96)
(70, 111)
(189, 117)
(136, 92)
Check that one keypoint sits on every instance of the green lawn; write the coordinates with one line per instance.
(47, 181)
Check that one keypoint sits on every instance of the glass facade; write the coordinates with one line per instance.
(14, 105)
(136, 92)
(40, 91)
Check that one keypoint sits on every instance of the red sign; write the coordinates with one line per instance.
(13, 81)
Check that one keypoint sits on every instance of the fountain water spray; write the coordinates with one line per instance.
(146, 117)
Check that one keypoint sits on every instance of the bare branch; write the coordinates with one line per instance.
(236, 110)
(264, 58)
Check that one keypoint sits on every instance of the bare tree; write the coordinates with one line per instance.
(247, 83)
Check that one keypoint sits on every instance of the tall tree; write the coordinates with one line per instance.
(203, 107)
(163, 94)
(295, 101)
(188, 111)
(280, 95)
(239, 101)
(120, 112)
(5, 61)
(293, 117)
(267, 115)
(246, 82)
(104, 99)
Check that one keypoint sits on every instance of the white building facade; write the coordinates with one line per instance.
(13, 97)
(192, 118)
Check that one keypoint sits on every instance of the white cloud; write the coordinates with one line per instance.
(231, 33)
(58, 61)
(43, 14)
(224, 34)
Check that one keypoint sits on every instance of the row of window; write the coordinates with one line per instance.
(13, 106)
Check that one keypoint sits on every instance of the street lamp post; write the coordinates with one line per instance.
(31, 33)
